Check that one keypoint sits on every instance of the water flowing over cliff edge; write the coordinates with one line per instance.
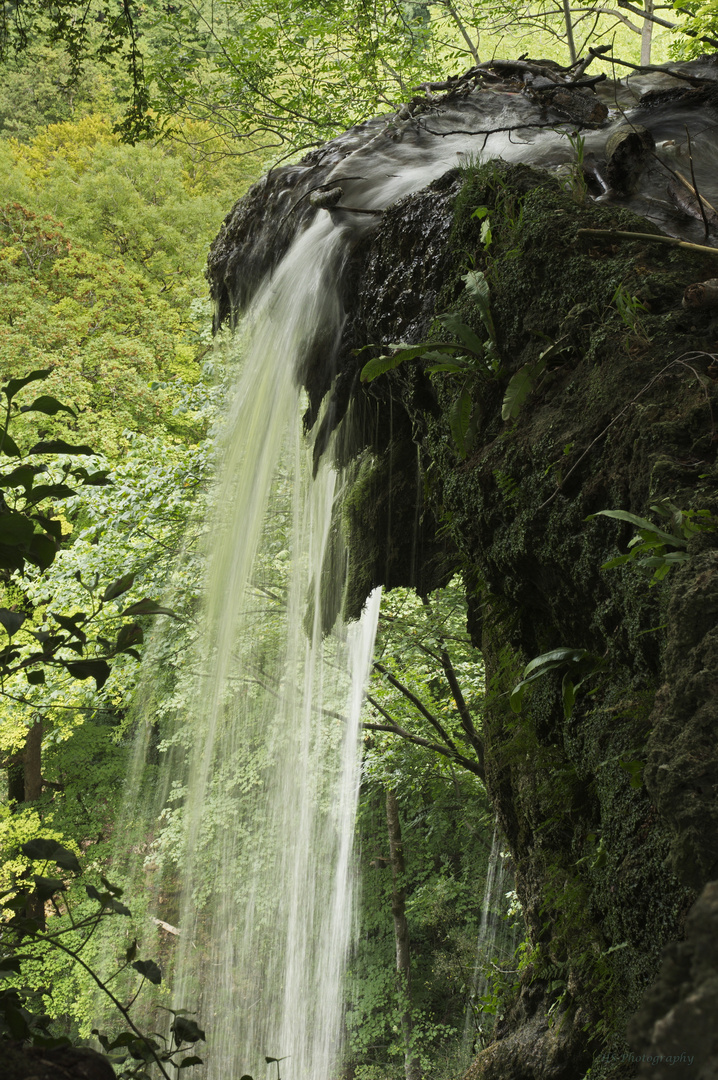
(608, 803)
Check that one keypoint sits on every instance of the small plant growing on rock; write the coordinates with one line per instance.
(656, 549)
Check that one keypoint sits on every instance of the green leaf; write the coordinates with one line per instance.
(95, 894)
(42, 551)
(22, 476)
(117, 588)
(619, 560)
(11, 620)
(9, 446)
(51, 491)
(17, 1021)
(186, 1062)
(555, 349)
(635, 771)
(561, 655)
(35, 678)
(131, 953)
(454, 367)
(15, 528)
(459, 420)
(380, 364)
(186, 1030)
(520, 386)
(113, 890)
(542, 665)
(149, 607)
(478, 288)
(47, 887)
(102, 1039)
(641, 523)
(148, 969)
(10, 963)
(430, 350)
(69, 623)
(95, 479)
(51, 851)
(14, 385)
(50, 406)
(128, 635)
(463, 332)
(99, 670)
(59, 446)
(51, 525)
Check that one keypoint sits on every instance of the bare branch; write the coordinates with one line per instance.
(418, 704)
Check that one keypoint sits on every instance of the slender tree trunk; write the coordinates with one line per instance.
(32, 762)
(31, 758)
(569, 31)
(412, 1066)
(24, 768)
(647, 35)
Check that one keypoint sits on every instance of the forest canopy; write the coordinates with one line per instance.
(283, 76)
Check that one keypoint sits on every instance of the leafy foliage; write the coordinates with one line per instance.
(445, 820)
(577, 664)
(24, 935)
(31, 532)
(655, 549)
(470, 358)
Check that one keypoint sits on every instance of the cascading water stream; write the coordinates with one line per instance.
(264, 766)
(255, 832)
(495, 941)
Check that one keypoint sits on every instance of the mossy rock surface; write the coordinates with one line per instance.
(610, 812)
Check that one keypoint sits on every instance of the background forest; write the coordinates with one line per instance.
(127, 132)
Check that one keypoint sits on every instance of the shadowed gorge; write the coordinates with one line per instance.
(603, 775)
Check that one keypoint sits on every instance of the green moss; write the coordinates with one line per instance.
(617, 421)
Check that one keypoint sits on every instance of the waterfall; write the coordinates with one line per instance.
(495, 942)
(269, 794)
(258, 781)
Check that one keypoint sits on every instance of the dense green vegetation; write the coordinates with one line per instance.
(124, 141)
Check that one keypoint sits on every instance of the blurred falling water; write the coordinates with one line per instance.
(258, 784)
(268, 803)
(256, 795)
(495, 943)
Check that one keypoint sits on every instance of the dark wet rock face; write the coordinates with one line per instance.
(674, 1035)
(517, 111)
(609, 808)
(682, 761)
(606, 864)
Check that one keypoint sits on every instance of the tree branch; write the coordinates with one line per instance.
(467, 721)
(418, 704)
(396, 729)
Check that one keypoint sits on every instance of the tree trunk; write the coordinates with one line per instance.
(412, 1067)
(647, 35)
(24, 768)
(32, 762)
(569, 30)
